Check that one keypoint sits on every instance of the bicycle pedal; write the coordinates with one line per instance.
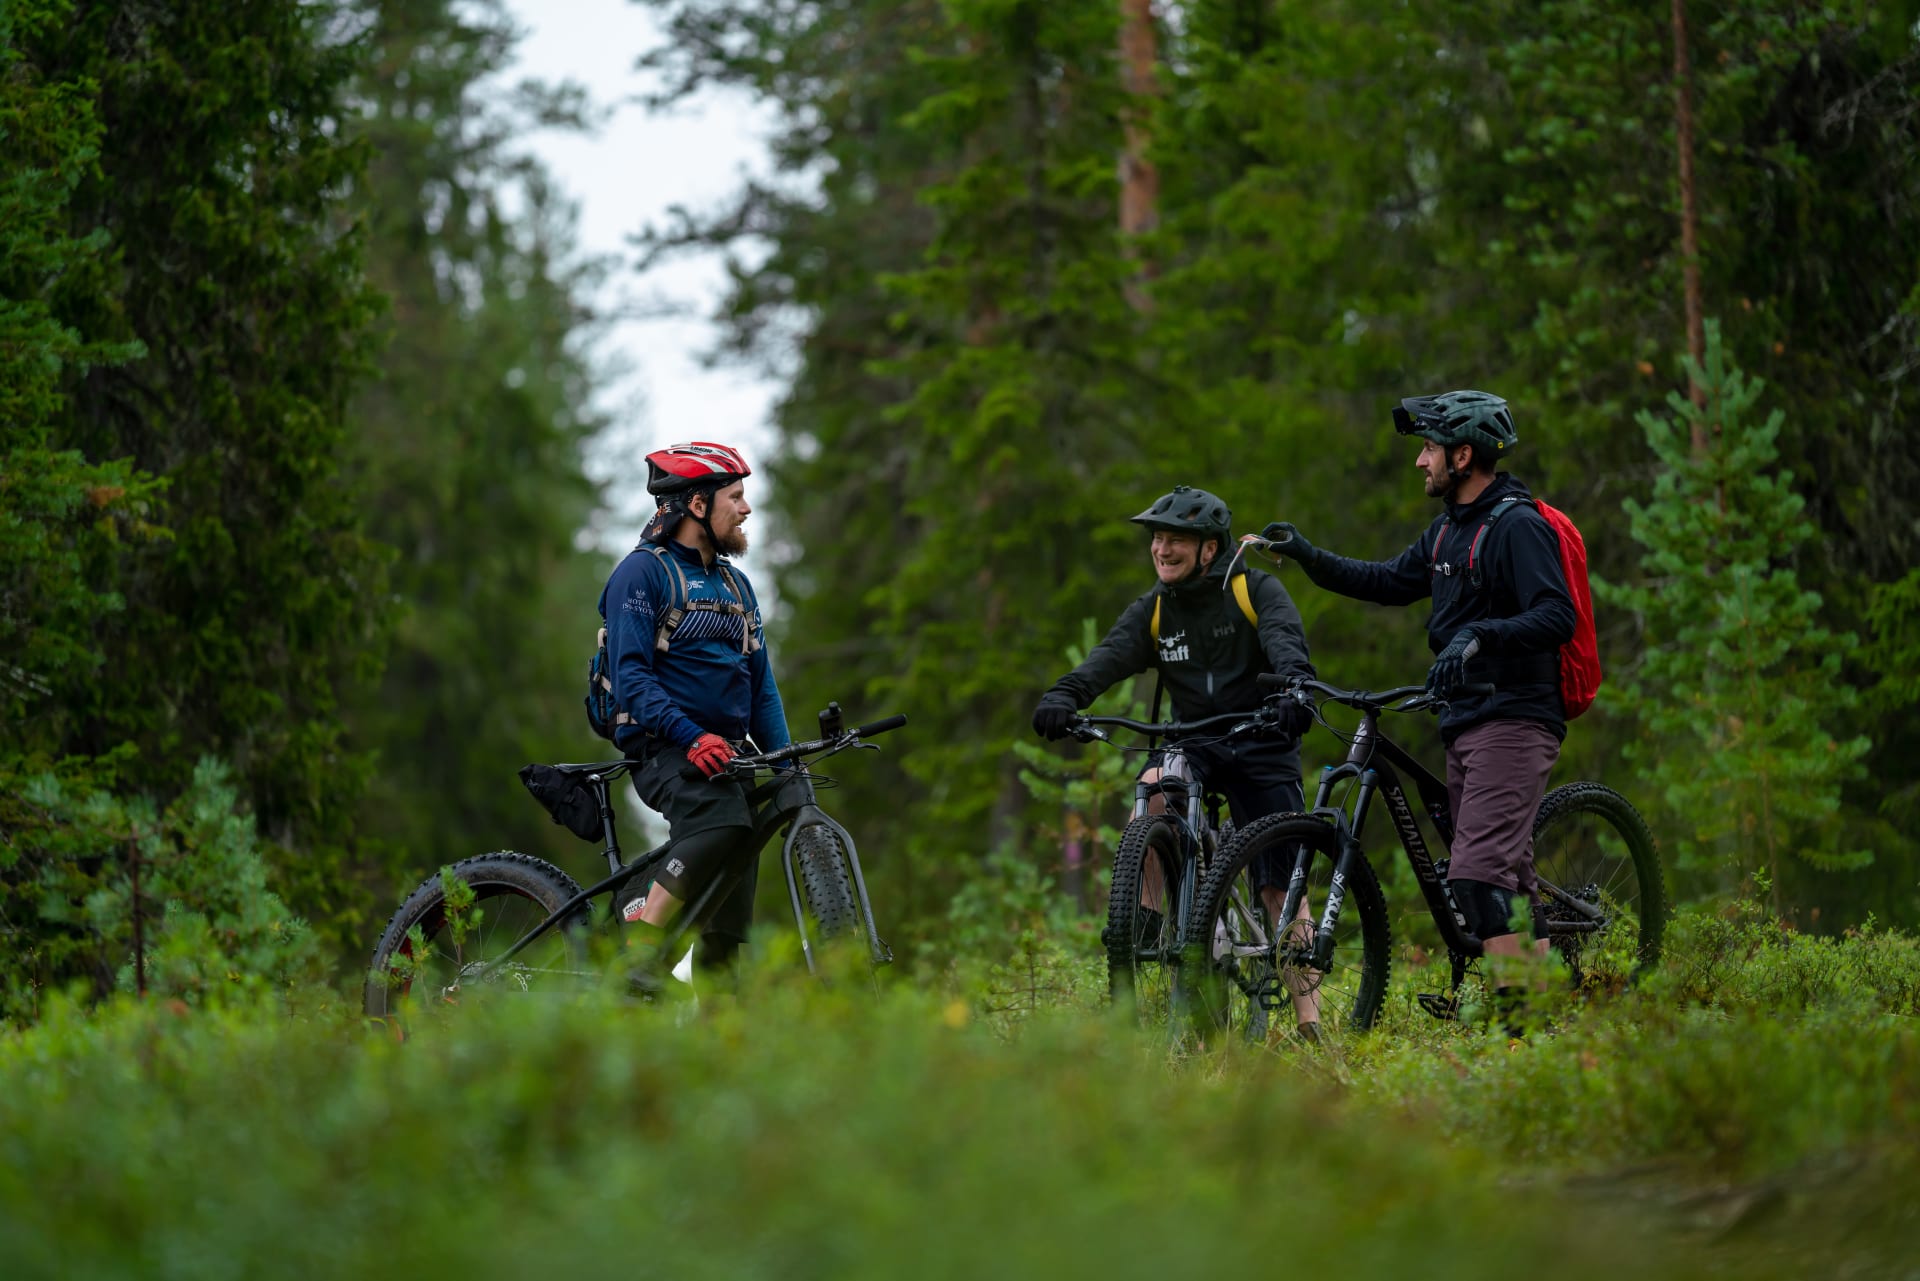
(1444, 1008)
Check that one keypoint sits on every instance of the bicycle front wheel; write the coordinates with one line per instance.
(1143, 913)
(826, 879)
(1592, 847)
(1241, 966)
(438, 947)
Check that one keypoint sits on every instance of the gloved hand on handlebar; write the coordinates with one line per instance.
(1449, 670)
(710, 754)
(1054, 714)
(1291, 717)
(1291, 542)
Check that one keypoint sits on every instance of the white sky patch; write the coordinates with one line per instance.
(629, 173)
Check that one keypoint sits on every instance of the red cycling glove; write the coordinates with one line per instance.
(710, 754)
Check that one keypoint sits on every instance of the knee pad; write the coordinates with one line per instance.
(1488, 908)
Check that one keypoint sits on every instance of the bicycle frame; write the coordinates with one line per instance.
(1201, 817)
(788, 799)
(1376, 762)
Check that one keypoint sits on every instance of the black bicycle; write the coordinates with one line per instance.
(512, 922)
(1602, 898)
(1163, 851)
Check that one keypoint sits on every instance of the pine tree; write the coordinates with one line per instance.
(470, 442)
(218, 171)
(1739, 681)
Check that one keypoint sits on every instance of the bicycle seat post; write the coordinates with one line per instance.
(602, 793)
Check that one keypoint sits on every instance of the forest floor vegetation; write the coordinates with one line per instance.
(1752, 1109)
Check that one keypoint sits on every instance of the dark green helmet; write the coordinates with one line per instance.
(1458, 418)
(1189, 511)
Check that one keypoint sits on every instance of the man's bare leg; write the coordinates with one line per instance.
(1153, 878)
(1305, 989)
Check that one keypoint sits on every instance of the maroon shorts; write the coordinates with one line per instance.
(1496, 775)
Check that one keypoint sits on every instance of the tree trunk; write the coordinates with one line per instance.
(1689, 215)
(1139, 179)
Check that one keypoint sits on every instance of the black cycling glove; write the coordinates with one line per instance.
(1449, 670)
(1291, 542)
(1292, 718)
(1055, 712)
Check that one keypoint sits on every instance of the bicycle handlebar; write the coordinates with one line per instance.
(1168, 729)
(1387, 700)
(813, 746)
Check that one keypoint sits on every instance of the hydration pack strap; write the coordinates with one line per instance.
(1475, 577)
(683, 606)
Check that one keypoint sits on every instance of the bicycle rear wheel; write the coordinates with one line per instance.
(435, 951)
(1239, 969)
(1143, 913)
(1592, 847)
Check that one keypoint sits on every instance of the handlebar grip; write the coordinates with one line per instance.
(1272, 680)
(880, 726)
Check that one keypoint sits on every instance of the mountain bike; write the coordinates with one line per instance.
(1160, 859)
(1602, 902)
(514, 923)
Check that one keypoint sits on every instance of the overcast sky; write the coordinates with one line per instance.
(630, 173)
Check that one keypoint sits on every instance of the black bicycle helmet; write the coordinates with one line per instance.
(1189, 511)
(1458, 418)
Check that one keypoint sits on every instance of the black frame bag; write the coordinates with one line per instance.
(570, 801)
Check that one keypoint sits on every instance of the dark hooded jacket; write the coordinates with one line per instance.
(1521, 610)
(1208, 653)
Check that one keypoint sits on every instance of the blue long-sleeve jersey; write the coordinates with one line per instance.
(704, 682)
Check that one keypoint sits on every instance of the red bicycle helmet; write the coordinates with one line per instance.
(698, 464)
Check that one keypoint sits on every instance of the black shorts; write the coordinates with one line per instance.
(1257, 776)
(692, 803)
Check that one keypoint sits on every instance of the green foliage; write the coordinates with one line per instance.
(1739, 679)
(1357, 201)
(468, 444)
(214, 250)
(66, 523)
(1093, 790)
(106, 891)
(870, 1138)
(1894, 651)
(1742, 959)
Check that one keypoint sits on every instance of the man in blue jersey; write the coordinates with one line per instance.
(692, 682)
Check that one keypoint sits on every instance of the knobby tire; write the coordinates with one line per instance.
(1143, 985)
(1236, 968)
(512, 893)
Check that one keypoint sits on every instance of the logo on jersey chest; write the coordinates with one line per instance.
(1173, 648)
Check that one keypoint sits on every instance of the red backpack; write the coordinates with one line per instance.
(1579, 657)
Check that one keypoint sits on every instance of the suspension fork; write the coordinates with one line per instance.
(1349, 851)
(807, 814)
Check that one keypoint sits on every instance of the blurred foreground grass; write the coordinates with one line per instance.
(804, 1132)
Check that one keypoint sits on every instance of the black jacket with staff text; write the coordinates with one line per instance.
(1208, 653)
(1522, 611)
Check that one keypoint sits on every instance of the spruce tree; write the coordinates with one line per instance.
(220, 164)
(1739, 683)
(469, 442)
